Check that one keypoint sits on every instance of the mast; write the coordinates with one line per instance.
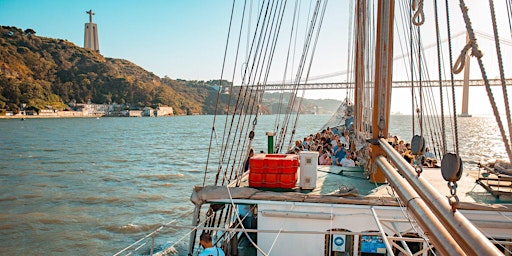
(383, 80)
(359, 65)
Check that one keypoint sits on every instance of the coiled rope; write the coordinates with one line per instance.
(419, 16)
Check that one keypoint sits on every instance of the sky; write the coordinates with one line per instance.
(185, 39)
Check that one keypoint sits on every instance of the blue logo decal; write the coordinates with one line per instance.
(338, 241)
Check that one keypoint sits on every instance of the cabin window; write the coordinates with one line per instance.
(371, 245)
(337, 243)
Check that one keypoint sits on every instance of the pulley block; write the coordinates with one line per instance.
(418, 145)
(451, 167)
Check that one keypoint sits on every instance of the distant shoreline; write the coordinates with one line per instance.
(45, 116)
(71, 115)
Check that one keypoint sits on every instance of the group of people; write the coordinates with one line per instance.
(428, 159)
(332, 148)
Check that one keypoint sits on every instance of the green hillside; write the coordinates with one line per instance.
(48, 73)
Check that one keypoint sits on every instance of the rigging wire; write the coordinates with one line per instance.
(240, 106)
(251, 97)
(509, 14)
(426, 96)
(219, 93)
(293, 96)
(271, 31)
(281, 133)
(350, 32)
(248, 103)
(413, 110)
(226, 136)
(293, 29)
(308, 71)
(441, 101)
(420, 117)
(448, 25)
(508, 143)
(478, 54)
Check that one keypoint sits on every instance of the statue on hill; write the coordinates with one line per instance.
(90, 15)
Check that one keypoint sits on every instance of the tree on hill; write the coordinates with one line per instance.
(29, 32)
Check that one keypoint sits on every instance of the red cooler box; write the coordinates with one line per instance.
(273, 170)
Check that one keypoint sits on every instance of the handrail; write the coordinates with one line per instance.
(463, 231)
(142, 239)
(429, 223)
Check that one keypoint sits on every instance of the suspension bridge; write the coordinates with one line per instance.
(350, 85)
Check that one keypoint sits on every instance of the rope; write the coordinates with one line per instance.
(419, 17)
(240, 106)
(420, 117)
(226, 136)
(308, 71)
(293, 29)
(451, 79)
(469, 28)
(412, 71)
(461, 60)
(243, 228)
(411, 220)
(219, 93)
(293, 96)
(438, 36)
(509, 13)
(502, 73)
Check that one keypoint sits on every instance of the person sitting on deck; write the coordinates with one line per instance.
(344, 138)
(209, 250)
(429, 154)
(328, 131)
(347, 161)
(325, 159)
(408, 156)
(354, 157)
(339, 152)
(401, 147)
(298, 144)
(305, 143)
(430, 159)
(251, 154)
(334, 140)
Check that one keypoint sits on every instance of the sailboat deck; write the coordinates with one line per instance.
(336, 180)
(350, 186)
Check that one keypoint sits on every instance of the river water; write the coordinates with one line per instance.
(86, 186)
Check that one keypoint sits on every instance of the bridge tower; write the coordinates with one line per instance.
(91, 34)
(465, 86)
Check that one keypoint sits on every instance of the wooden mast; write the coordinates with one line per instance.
(359, 65)
(383, 80)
